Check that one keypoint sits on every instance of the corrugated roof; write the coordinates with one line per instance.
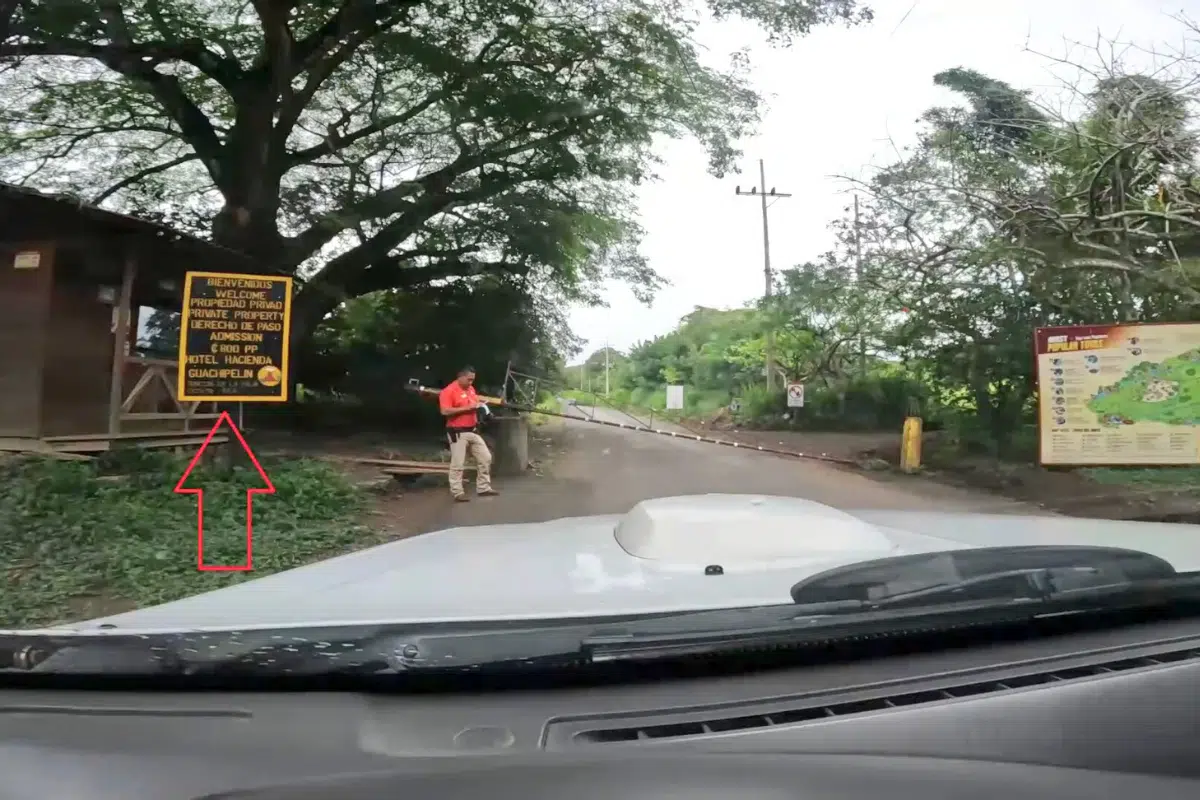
(118, 222)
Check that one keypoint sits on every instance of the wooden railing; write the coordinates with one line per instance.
(155, 388)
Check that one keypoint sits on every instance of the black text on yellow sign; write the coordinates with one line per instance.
(233, 338)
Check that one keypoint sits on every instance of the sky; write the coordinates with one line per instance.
(838, 101)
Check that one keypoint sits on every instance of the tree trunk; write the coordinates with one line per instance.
(249, 177)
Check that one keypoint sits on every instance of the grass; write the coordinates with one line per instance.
(1148, 478)
(550, 404)
(112, 528)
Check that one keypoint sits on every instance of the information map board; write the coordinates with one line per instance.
(1119, 395)
(233, 338)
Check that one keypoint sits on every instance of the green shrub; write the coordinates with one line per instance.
(114, 528)
(865, 404)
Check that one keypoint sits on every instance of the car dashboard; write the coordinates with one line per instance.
(1107, 713)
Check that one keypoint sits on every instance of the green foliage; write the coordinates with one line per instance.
(875, 402)
(1148, 478)
(112, 531)
(588, 376)
(1001, 218)
(387, 145)
(1004, 217)
(702, 352)
(370, 348)
(827, 335)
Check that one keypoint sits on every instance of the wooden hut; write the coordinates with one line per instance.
(72, 278)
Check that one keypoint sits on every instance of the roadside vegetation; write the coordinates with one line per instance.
(1005, 215)
(410, 180)
(436, 206)
(84, 538)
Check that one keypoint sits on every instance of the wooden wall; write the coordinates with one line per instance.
(79, 350)
(24, 318)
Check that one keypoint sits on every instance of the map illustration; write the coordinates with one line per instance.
(1166, 392)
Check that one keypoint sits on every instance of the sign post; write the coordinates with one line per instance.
(233, 338)
(795, 395)
(674, 398)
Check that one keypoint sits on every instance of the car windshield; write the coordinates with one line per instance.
(417, 339)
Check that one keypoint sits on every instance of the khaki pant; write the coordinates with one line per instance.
(460, 445)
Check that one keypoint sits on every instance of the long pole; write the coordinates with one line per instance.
(581, 416)
(768, 282)
(862, 339)
(606, 366)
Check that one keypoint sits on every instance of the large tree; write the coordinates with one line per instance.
(376, 144)
(1005, 216)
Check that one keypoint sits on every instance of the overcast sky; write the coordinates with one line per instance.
(837, 100)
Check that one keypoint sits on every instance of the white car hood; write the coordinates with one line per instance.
(652, 559)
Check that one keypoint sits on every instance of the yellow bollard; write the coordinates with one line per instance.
(910, 445)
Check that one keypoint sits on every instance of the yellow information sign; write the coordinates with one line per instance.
(233, 338)
(1119, 395)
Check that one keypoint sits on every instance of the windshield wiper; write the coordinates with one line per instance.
(991, 584)
(927, 609)
(1030, 572)
(1032, 584)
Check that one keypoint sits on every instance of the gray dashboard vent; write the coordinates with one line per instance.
(699, 725)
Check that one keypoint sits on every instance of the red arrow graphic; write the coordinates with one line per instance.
(250, 492)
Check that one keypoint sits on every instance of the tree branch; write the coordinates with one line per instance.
(141, 175)
(351, 16)
(333, 144)
(397, 199)
(138, 60)
(379, 277)
(221, 69)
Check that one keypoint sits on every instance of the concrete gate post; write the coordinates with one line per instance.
(510, 456)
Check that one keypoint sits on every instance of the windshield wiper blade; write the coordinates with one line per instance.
(1034, 584)
(860, 618)
(1043, 585)
(1019, 572)
(933, 593)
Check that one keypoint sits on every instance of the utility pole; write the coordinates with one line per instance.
(862, 339)
(762, 194)
(606, 366)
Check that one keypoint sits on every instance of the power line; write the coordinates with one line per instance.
(762, 194)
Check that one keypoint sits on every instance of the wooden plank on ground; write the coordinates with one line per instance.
(23, 444)
(85, 445)
(423, 469)
(39, 449)
(382, 462)
(122, 437)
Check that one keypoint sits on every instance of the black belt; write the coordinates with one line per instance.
(453, 433)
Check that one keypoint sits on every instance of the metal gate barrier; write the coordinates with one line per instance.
(521, 392)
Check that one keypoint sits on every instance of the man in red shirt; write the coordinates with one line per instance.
(459, 405)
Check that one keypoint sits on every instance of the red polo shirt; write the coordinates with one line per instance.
(455, 396)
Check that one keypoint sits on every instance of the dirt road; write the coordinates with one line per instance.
(596, 469)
